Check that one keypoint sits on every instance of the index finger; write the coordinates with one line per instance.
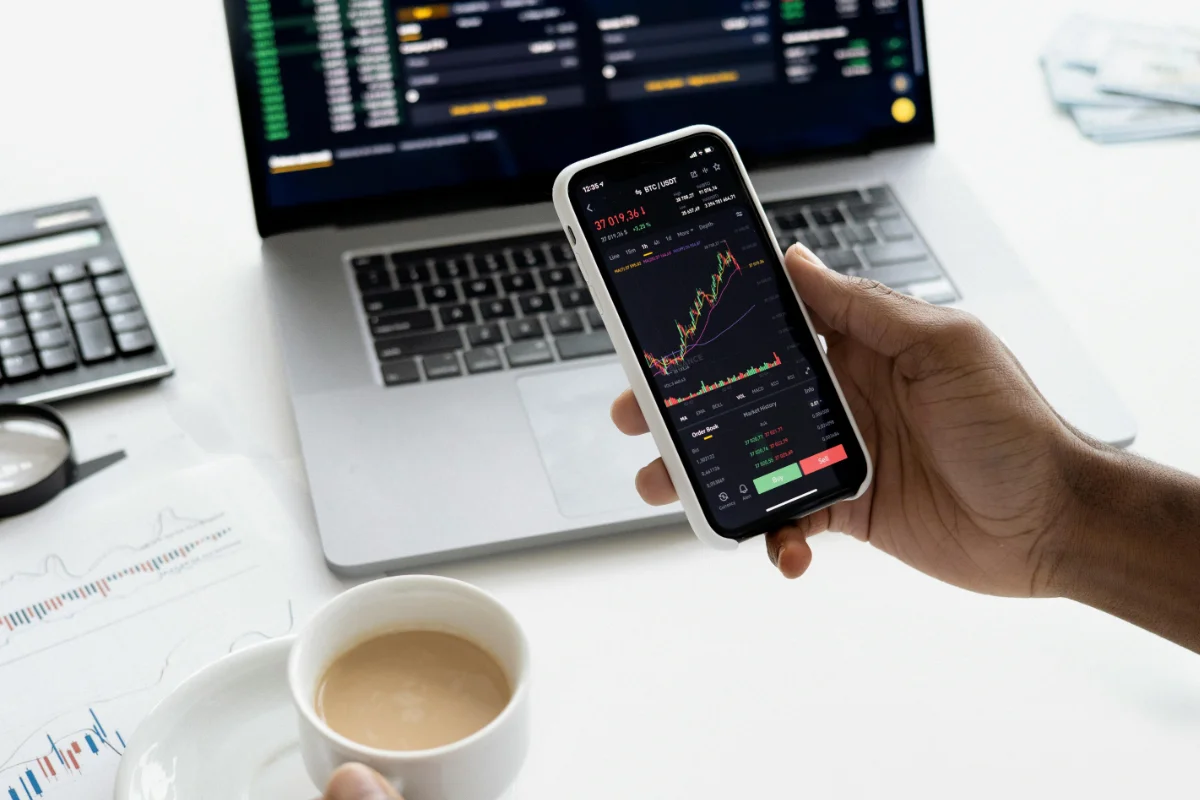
(627, 415)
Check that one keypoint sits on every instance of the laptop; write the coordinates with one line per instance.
(449, 387)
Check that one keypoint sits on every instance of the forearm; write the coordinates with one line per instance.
(1135, 549)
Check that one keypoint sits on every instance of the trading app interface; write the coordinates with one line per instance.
(353, 98)
(721, 337)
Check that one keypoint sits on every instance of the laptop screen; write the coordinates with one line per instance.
(352, 104)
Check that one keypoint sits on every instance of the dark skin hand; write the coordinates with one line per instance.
(978, 482)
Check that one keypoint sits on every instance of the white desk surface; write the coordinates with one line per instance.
(664, 670)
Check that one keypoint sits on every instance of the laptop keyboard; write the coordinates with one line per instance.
(522, 302)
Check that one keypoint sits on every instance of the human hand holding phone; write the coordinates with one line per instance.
(974, 469)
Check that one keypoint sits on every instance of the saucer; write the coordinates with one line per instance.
(227, 733)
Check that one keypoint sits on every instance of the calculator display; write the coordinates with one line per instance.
(50, 245)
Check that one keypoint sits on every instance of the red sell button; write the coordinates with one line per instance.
(822, 460)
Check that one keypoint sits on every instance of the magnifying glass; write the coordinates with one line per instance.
(36, 459)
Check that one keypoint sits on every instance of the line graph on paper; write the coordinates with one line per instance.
(68, 595)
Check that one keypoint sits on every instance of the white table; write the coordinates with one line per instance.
(664, 670)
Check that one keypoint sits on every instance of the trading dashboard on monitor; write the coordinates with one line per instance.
(349, 99)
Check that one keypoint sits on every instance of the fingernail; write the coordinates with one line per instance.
(357, 782)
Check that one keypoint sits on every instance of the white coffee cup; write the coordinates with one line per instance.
(482, 766)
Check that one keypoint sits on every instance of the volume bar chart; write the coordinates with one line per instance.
(63, 759)
(705, 388)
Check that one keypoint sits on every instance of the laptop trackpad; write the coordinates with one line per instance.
(591, 465)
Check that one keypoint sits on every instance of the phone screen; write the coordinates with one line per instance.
(735, 369)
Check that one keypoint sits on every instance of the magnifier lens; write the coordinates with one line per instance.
(31, 449)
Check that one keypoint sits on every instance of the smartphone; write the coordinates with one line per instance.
(716, 343)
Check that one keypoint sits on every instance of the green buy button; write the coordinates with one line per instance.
(778, 478)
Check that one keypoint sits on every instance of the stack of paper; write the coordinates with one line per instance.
(1123, 82)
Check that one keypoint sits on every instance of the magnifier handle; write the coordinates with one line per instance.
(90, 468)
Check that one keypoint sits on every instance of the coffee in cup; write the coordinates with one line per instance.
(412, 690)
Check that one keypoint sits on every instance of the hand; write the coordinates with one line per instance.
(973, 469)
(356, 782)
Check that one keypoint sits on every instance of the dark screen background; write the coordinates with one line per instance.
(787, 99)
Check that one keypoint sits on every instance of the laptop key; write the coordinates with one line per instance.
(527, 328)
(829, 215)
(441, 366)
(821, 237)
(450, 268)
(520, 282)
(483, 287)
(840, 260)
(388, 301)
(457, 315)
(59, 358)
(902, 274)
(370, 280)
(491, 264)
(95, 342)
(528, 257)
(497, 309)
(583, 345)
(412, 272)
(574, 298)
(18, 367)
(440, 293)
(791, 221)
(557, 276)
(528, 354)
(537, 303)
(594, 319)
(563, 252)
(396, 373)
(564, 322)
(881, 255)
(484, 359)
(418, 344)
(868, 211)
(363, 262)
(385, 325)
(480, 335)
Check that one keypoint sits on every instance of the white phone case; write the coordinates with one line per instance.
(630, 360)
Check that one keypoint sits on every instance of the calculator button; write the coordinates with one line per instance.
(9, 306)
(6, 286)
(65, 273)
(81, 312)
(50, 338)
(57, 359)
(37, 301)
(113, 284)
(103, 265)
(130, 321)
(75, 292)
(119, 303)
(40, 320)
(95, 342)
(28, 281)
(135, 341)
(18, 367)
(11, 326)
(15, 346)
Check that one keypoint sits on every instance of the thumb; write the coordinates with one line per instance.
(356, 782)
(866, 311)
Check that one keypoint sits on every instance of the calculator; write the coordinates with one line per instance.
(71, 320)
